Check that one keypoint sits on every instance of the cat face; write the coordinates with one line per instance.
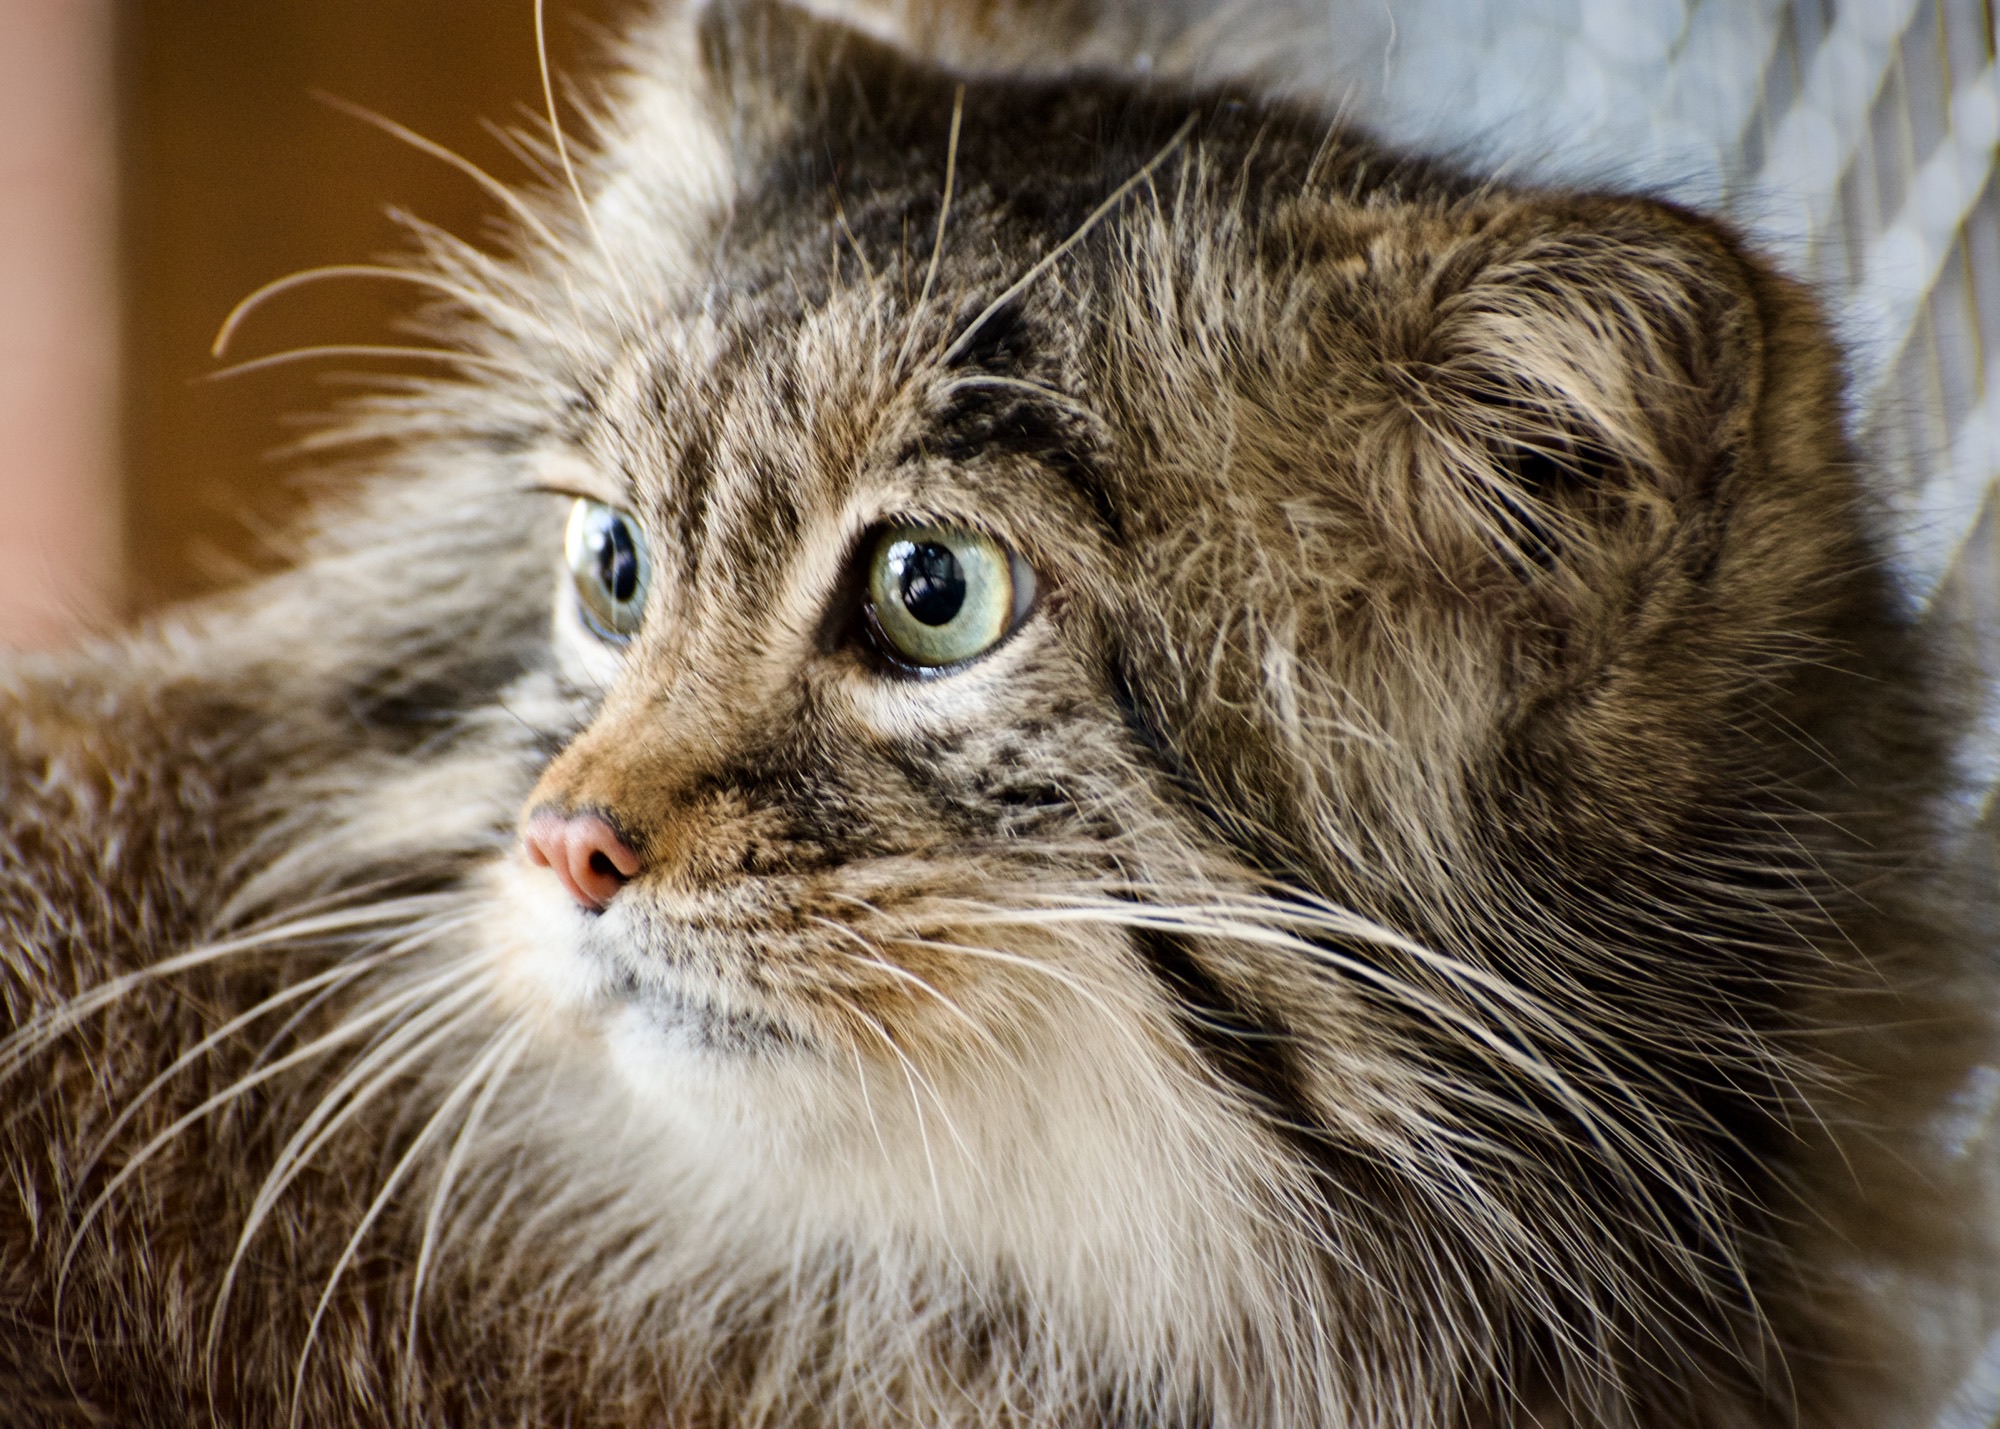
(860, 736)
(1177, 706)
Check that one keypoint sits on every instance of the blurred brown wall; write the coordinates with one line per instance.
(234, 174)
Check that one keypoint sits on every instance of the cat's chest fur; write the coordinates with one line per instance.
(1015, 752)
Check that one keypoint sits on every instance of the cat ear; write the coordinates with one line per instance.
(1579, 383)
(779, 74)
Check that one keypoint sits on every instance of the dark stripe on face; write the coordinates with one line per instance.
(1246, 1047)
(1138, 718)
(1006, 421)
(986, 420)
(997, 344)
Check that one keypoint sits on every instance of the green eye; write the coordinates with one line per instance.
(607, 559)
(940, 595)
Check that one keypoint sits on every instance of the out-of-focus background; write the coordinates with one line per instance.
(160, 159)
(234, 170)
(60, 540)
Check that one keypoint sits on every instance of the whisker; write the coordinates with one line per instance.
(990, 380)
(916, 1101)
(517, 205)
(367, 1077)
(869, 959)
(324, 983)
(1618, 1139)
(1049, 259)
(1253, 925)
(562, 155)
(853, 243)
(467, 1085)
(347, 1031)
(526, 149)
(868, 1103)
(364, 349)
(997, 955)
(520, 1035)
(37, 1032)
(306, 276)
(937, 242)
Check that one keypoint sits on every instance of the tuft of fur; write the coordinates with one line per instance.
(1447, 912)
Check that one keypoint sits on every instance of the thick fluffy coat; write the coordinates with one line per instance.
(1439, 914)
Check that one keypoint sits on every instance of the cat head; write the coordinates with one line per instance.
(1179, 720)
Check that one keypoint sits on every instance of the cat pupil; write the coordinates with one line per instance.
(617, 562)
(930, 583)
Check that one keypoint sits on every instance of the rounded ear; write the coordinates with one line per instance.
(1477, 451)
(774, 71)
(1572, 375)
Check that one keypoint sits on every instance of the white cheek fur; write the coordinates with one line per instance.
(535, 929)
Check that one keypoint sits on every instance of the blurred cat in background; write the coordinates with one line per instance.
(1017, 743)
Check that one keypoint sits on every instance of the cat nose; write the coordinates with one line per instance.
(585, 852)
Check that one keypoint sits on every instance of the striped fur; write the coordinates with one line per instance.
(1448, 911)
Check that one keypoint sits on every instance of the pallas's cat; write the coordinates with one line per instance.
(1012, 752)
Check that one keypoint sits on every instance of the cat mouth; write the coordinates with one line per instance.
(683, 1012)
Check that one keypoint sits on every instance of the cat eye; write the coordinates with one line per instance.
(939, 596)
(607, 561)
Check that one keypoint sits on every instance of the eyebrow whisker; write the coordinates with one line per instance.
(1049, 259)
(937, 243)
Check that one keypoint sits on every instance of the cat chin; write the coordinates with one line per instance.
(688, 1069)
(1096, 1163)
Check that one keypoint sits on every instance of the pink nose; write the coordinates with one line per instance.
(584, 850)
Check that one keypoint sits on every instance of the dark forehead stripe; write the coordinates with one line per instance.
(1034, 161)
(1009, 421)
(1244, 1046)
(733, 435)
(993, 409)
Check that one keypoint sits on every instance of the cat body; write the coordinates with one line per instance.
(1434, 902)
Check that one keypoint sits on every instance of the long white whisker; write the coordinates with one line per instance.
(937, 242)
(519, 1034)
(503, 192)
(916, 1103)
(1619, 1142)
(994, 380)
(477, 302)
(330, 980)
(1054, 255)
(1065, 979)
(468, 1084)
(44, 1027)
(869, 958)
(371, 1073)
(868, 1102)
(347, 1031)
(1215, 922)
(368, 349)
(562, 155)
